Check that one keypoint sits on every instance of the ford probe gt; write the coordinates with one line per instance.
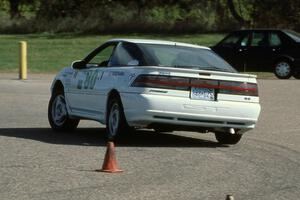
(160, 85)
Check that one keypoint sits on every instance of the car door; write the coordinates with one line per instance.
(87, 93)
(233, 49)
(262, 51)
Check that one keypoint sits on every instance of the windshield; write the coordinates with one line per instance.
(294, 35)
(183, 57)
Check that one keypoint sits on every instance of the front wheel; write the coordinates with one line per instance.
(58, 115)
(283, 70)
(227, 138)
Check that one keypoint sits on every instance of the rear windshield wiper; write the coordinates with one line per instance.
(197, 67)
(214, 69)
(187, 66)
(202, 68)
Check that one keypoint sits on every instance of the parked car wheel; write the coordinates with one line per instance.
(116, 124)
(227, 138)
(283, 69)
(296, 75)
(58, 115)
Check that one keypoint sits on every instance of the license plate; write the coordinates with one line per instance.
(203, 94)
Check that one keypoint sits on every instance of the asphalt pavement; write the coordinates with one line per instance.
(37, 163)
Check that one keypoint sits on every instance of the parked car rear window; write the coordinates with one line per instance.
(294, 35)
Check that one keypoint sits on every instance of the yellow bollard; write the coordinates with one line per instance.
(23, 60)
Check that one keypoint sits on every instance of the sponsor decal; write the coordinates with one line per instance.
(116, 73)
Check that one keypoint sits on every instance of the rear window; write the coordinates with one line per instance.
(184, 57)
(294, 35)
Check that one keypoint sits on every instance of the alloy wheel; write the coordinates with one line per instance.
(283, 69)
(59, 110)
(114, 119)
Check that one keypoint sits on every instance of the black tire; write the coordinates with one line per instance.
(283, 69)
(227, 138)
(296, 75)
(116, 124)
(64, 123)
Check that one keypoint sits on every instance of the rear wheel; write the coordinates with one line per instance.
(227, 138)
(116, 124)
(283, 69)
(58, 115)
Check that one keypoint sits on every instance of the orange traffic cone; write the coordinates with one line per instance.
(110, 163)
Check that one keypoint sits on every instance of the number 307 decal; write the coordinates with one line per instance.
(90, 80)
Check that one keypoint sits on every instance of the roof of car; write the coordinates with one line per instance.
(163, 42)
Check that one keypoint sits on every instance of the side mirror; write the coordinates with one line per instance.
(78, 64)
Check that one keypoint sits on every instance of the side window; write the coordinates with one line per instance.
(259, 39)
(126, 54)
(101, 59)
(244, 41)
(275, 39)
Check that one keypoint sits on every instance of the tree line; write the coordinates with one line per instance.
(186, 16)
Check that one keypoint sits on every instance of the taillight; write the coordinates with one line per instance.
(204, 83)
(182, 83)
(165, 82)
(238, 88)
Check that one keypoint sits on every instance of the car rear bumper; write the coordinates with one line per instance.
(147, 109)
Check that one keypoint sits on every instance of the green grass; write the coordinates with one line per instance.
(50, 53)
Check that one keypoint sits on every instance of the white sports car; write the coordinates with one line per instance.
(160, 85)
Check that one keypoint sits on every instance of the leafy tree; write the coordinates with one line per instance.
(235, 13)
(282, 14)
(14, 7)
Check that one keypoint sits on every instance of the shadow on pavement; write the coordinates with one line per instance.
(96, 137)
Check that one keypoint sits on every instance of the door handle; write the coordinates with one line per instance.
(240, 50)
